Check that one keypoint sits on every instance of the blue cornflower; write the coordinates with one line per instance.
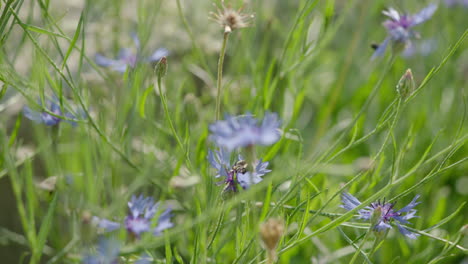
(387, 213)
(46, 118)
(107, 253)
(236, 175)
(242, 131)
(399, 27)
(128, 58)
(453, 3)
(141, 212)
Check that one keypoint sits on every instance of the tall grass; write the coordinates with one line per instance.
(344, 129)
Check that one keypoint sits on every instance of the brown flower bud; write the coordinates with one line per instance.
(271, 232)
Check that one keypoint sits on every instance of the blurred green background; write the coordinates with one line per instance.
(309, 61)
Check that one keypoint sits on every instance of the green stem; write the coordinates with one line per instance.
(271, 256)
(220, 74)
(376, 244)
(171, 124)
(359, 249)
(250, 158)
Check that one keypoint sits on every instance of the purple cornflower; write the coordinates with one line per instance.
(236, 175)
(128, 58)
(107, 253)
(453, 3)
(387, 213)
(242, 131)
(139, 220)
(46, 118)
(399, 27)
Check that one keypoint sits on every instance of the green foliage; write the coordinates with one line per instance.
(345, 128)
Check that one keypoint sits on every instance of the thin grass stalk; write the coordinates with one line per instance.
(220, 74)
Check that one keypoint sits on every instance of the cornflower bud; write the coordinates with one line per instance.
(406, 84)
(161, 67)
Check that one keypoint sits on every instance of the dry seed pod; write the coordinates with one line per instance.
(271, 232)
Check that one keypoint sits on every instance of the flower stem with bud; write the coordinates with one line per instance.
(161, 70)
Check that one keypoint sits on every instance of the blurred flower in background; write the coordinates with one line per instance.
(46, 118)
(128, 58)
(399, 28)
(139, 219)
(243, 131)
(107, 253)
(454, 3)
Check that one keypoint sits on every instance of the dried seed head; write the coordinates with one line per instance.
(231, 19)
(86, 217)
(271, 232)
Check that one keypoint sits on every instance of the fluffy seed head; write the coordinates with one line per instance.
(271, 232)
(231, 19)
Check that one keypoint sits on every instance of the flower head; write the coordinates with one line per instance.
(107, 253)
(128, 58)
(399, 27)
(46, 118)
(242, 131)
(453, 3)
(139, 219)
(385, 212)
(231, 19)
(237, 174)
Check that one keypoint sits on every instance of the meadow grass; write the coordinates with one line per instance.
(345, 128)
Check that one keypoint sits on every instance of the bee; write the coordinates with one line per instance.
(240, 166)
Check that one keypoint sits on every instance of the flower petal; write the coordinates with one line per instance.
(410, 206)
(349, 202)
(406, 232)
(158, 55)
(32, 115)
(424, 14)
(381, 49)
(392, 13)
(164, 222)
(105, 224)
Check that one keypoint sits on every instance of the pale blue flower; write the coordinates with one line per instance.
(45, 118)
(107, 253)
(243, 131)
(454, 3)
(388, 214)
(127, 58)
(400, 27)
(139, 219)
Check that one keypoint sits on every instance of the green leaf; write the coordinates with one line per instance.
(43, 31)
(45, 228)
(143, 100)
(73, 42)
(3, 91)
